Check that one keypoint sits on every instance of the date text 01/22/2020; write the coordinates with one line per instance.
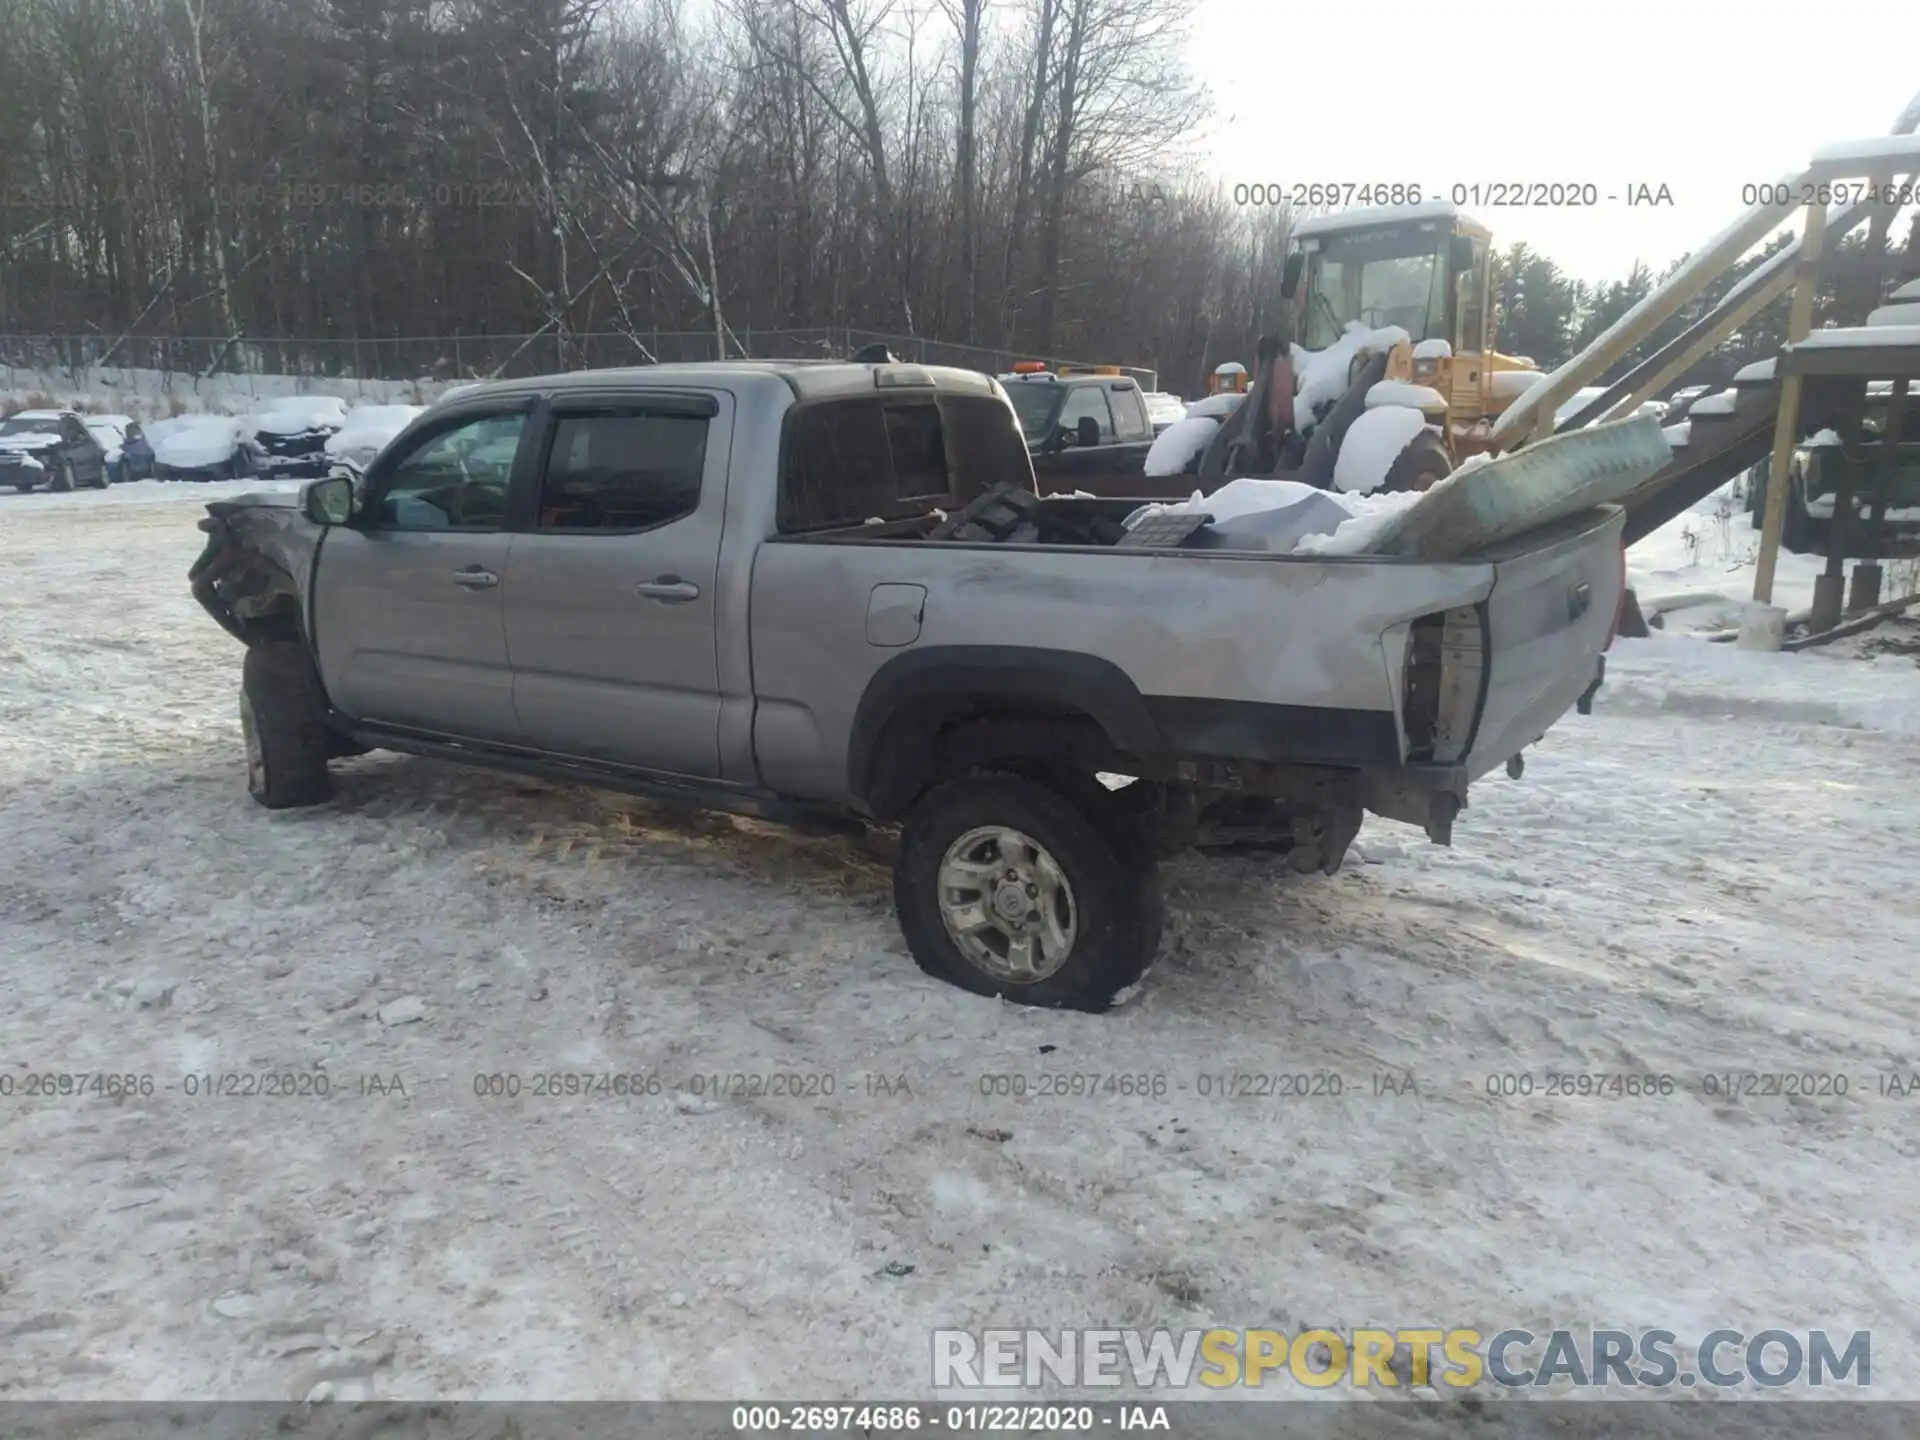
(1480, 194)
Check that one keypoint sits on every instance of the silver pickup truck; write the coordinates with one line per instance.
(747, 586)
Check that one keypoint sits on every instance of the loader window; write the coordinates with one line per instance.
(1378, 278)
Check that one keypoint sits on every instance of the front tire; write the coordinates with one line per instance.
(1007, 888)
(1420, 466)
(282, 720)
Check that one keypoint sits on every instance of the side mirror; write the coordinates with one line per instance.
(1290, 274)
(1462, 253)
(1087, 434)
(328, 501)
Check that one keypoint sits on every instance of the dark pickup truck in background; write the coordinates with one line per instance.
(1080, 426)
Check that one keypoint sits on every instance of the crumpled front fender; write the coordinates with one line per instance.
(252, 575)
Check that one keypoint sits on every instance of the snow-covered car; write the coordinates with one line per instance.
(136, 453)
(367, 431)
(52, 448)
(201, 447)
(289, 438)
(111, 432)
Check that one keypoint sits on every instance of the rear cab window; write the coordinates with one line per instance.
(1129, 412)
(848, 461)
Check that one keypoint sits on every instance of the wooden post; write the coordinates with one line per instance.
(1786, 424)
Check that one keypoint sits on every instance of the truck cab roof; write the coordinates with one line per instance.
(807, 379)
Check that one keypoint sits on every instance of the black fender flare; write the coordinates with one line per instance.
(912, 697)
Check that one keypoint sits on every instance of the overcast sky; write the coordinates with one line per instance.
(1685, 93)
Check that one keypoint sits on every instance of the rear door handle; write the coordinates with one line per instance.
(474, 578)
(668, 588)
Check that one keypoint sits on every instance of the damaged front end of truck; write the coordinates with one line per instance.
(253, 575)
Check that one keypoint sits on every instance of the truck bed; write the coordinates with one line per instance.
(1220, 654)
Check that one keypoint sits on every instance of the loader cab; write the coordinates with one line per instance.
(1421, 268)
(1424, 268)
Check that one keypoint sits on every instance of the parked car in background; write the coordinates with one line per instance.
(136, 453)
(53, 448)
(368, 429)
(1163, 409)
(289, 438)
(111, 432)
(202, 447)
(1078, 425)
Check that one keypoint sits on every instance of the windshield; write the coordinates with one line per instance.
(1379, 278)
(18, 426)
(1033, 402)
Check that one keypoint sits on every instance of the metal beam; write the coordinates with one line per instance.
(1533, 413)
(1787, 420)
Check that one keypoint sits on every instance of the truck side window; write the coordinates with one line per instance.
(1129, 414)
(849, 461)
(1088, 400)
(454, 480)
(627, 471)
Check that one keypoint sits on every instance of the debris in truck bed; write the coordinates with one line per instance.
(1483, 503)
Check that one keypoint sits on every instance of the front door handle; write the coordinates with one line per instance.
(668, 588)
(474, 578)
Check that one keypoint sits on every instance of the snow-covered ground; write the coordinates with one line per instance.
(1708, 556)
(1707, 874)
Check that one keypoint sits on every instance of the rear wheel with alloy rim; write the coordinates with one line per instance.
(1007, 887)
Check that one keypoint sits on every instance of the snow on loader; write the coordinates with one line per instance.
(1382, 376)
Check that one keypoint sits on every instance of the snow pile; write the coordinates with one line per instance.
(1752, 374)
(1218, 406)
(1400, 392)
(1908, 291)
(1321, 375)
(1906, 313)
(1846, 338)
(1180, 444)
(1680, 434)
(1372, 516)
(1434, 349)
(1722, 403)
(1372, 443)
(1368, 516)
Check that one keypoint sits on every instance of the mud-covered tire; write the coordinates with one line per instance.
(282, 717)
(1420, 465)
(1111, 884)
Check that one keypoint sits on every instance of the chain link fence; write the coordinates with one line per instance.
(183, 363)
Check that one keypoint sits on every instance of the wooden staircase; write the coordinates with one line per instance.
(1717, 446)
